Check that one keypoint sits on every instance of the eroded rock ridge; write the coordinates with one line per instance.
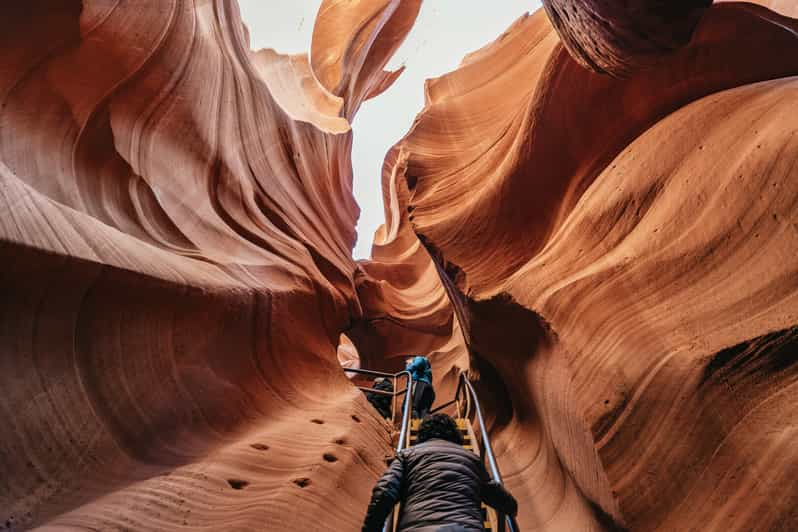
(594, 215)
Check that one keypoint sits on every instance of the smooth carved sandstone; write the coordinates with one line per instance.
(405, 306)
(623, 257)
(619, 37)
(612, 258)
(176, 226)
(534, 152)
(351, 44)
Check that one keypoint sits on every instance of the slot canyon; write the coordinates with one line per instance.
(595, 216)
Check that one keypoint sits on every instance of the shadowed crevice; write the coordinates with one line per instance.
(758, 358)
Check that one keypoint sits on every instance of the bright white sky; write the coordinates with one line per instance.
(446, 30)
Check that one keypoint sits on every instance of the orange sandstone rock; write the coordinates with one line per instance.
(612, 259)
(176, 226)
(621, 254)
(619, 37)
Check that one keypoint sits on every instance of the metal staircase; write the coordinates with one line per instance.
(468, 416)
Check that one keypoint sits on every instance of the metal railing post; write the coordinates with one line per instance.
(503, 520)
(404, 434)
(393, 401)
(464, 386)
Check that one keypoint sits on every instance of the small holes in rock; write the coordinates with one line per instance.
(302, 482)
(317, 421)
(329, 457)
(260, 446)
(237, 484)
(357, 419)
(339, 441)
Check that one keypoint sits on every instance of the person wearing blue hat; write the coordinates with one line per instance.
(423, 393)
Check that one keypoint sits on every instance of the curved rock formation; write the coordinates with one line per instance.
(348, 356)
(405, 307)
(176, 222)
(619, 37)
(612, 258)
(623, 253)
(353, 42)
(536, 176)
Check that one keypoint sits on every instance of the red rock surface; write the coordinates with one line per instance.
(612, 258)
(176, 220)
(623, 251)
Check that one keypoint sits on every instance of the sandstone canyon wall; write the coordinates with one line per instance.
(623, 252)
(611, 256)
(177, 226)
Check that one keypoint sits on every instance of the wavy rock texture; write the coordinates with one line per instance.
(176, 222)
(612, 258)
(351, 43)
(623, 254)
(405, 306)
(620, 37)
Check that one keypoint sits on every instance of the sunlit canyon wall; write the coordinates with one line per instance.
(597, 221)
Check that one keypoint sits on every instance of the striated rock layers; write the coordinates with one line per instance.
(176, 226)
(619, 37)
(622, 259)
(612, 256)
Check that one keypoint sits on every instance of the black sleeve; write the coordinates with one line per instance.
(494, 495)
(385, 495)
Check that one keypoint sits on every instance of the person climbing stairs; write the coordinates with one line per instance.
(489, 518)
(439, 481)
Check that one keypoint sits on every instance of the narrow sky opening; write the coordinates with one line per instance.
(446, 30)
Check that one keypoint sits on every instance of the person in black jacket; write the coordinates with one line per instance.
(439, 484)
(381, 402)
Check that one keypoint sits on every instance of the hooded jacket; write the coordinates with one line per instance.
(420, 369)
(439, 484)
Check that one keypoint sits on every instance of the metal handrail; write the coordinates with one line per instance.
(486, 449)
(393, 394)
(404, 431)
(381, 392)
(488, 452)
(453, 401)
(370, 372)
